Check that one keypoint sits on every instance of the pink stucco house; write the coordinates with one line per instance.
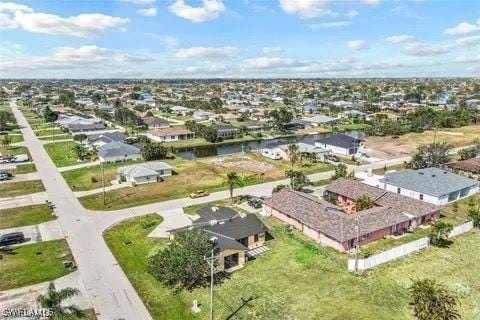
(336, 225)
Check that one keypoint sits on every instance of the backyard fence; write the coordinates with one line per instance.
(402, 250)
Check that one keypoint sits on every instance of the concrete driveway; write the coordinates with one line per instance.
(22, 177)
(46, 231)
(25, 200)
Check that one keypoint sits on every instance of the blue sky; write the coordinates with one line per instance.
(239, 38)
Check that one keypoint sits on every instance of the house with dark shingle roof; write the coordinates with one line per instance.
(341, 144)
(432, 185)
(336, 225)
(238, 235)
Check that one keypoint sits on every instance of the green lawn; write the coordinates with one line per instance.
(192, 210)
(64, 136)
(48, 132)
(13, 189)
(62, 153)
(297, 279)
(25, 168)
(25, 216)
(34, 263)
(14, 150)
(14, 138)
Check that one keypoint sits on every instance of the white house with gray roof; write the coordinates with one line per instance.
(431, 185)
(144, 172)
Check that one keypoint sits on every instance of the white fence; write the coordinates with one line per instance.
(402, 250)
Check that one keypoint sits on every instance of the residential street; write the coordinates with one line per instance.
(111, 294)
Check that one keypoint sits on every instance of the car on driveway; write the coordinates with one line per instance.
(332, 158)
(4, 176)
(199, 194)
(255, 203)
(11, 238)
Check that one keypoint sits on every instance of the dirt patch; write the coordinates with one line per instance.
(241, 162)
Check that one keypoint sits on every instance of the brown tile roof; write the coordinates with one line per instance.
(331, 220)
(169, 131)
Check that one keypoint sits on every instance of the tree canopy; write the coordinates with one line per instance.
(430, 155)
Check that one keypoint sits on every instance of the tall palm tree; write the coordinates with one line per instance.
(293, 153)
(53, 299)
(233, 179)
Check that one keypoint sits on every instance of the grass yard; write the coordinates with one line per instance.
(57, 137)
(14, 138)
(297, 279)
(25, 216)
(14, 150)
(192, 175)
(192, 210)
(25, 168)
(34, 263)
(62, 153)
(13, 189)
(48, 132)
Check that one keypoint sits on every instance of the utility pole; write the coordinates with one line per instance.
(103, 181)
(210, 260)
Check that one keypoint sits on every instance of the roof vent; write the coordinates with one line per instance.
(213, 222)
(433, 176)
(420, 173)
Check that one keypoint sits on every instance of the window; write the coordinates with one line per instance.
(421, 196)
(255, 238)
(366, 236)
(394, 228)
(399, 190)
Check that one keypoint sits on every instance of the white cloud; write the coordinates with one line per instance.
(352, 13)
(83, 25)
(468, 41)
(426, 49)
(207, 52)
(147, 12)
(326, 25)
(399, 38)
(469, 59)
(371, 2)
(209, 10)
(461, 28)
(268, 62)
(307, 8)
(357, 44)
(272, 49)
(71, 58)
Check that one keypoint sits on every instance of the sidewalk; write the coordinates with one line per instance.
(78, 166)
(79, 194)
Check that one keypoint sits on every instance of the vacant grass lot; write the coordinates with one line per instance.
(34, 263)
(13, 189)
(14, 138)
(25, 168)
(297, 279)
(191, 175)
(62, 153)
(25, 216)
(48, 132)
(57, 137)
(14, 150)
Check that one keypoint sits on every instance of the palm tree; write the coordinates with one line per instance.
(431, 301)
(53, 300)
(6, 141)
(233, 179)
(293, 153)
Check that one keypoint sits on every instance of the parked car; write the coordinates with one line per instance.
(199, 194)
(19, 158)
(11, 238)
(255, 203)
(4, 176)
(332, 157)
(9, 174)
(270, 154)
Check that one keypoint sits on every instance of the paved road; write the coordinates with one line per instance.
(111, 294)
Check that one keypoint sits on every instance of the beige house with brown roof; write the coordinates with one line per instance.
(170, 134)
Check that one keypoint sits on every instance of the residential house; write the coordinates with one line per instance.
(118, 151)
(341, 144)
(320, 120)
(105, 107)
(100, 139)
(77, 128)
(339, 226)
(225, 130)
(239, 236)
(179, 110)
(303, 148)
(431, 185)
(170, 134)
(201, 115)
(155, 123)
(144, 172)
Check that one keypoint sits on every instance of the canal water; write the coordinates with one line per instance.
(236, 147)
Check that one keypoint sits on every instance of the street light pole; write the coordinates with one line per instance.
(357, 229)
(210, 260)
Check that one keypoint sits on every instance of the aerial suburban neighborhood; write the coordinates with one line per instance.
(149, 172)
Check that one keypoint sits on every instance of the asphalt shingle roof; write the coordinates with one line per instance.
(340, 140)
(431, 181)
